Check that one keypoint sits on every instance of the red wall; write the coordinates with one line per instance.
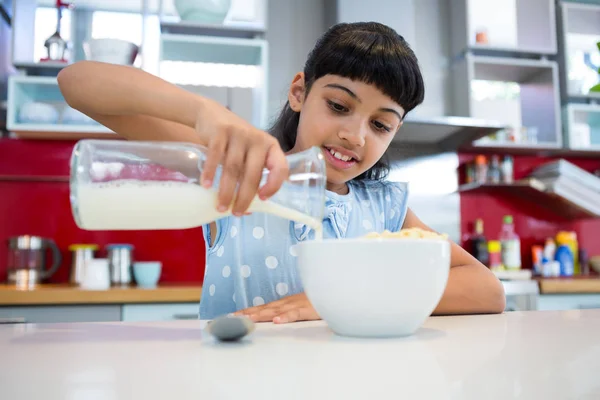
(34, 199)
(533, 222)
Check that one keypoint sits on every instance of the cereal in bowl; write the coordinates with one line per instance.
(407, 233)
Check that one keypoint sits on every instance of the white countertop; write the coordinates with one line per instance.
(518, 355)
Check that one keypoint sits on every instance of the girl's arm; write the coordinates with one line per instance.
(472, 288)
(141, 106)
(132, 102)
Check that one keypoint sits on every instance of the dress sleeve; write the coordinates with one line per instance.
(396, 205)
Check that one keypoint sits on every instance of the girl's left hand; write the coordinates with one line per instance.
(289, 309)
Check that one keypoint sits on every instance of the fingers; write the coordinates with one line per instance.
(293, 315)
(232, 172)
(252, 173)
(278, 172)
(216, 152)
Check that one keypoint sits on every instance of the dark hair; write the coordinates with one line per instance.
(366, 51)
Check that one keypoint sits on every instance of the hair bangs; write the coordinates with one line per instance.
(374, 59)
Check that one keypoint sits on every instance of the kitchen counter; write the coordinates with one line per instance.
(526, 355)
(67, 294)
(573, 285)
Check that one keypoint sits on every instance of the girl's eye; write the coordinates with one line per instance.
(337, 107)
(381, 127)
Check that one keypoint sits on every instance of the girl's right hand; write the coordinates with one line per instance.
(243, 151)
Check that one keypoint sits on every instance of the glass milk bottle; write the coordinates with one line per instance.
(137, 185)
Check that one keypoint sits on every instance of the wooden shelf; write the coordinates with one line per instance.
(579, 284)
(534, 191)
(55, 294)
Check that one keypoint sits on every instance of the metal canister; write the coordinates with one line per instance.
(80, 254)
(120, 259)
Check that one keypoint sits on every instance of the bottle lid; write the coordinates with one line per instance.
(83, 246)
(479, 225)
(480, 159)
(494, 246)
(119, 246)
(508, 219)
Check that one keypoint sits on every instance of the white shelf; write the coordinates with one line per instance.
(536, 105)
(582, 126)
(23, 89)
(445, 133)
(224, 50)
(521, 26)
(580, 31)
(248, 31)
(211, 49)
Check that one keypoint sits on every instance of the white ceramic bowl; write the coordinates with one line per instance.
(203, 11)
(113, 51)
(374, 287)
(38, 113)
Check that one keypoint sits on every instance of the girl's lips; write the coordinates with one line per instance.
(336, 162)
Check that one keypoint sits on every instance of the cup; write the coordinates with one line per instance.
(96, 275)
(147, 273)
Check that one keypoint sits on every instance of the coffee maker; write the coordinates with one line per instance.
(27, 265)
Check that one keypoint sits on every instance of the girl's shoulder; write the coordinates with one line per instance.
(386, 190)
(387, 201)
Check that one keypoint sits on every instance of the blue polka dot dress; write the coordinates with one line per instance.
(253, 258)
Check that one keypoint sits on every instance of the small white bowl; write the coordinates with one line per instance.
(113, 51)
(38, 113)
(374, 287)
(147, 273)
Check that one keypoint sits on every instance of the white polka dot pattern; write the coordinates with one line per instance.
(258, 232)
(226, 271)
(282, 288)
(245, 271)
(258, 301)
(271, 262)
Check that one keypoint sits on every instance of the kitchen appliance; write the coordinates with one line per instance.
(120, 258)
(27, 260)
(55, 45)
(80, 255)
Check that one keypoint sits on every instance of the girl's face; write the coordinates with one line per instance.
(353, 122)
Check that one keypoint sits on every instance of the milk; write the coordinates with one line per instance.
(149, 205)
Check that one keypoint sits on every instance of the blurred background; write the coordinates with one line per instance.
(504, 150)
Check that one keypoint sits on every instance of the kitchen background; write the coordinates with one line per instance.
(509, 88)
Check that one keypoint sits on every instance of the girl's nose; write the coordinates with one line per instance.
(355, 136)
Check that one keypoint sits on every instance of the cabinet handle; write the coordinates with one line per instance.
(588, 306)
(185, 316)
(15, 320)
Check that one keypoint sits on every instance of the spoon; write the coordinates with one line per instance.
(230, 328)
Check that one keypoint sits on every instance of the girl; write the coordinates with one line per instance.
(358, 84)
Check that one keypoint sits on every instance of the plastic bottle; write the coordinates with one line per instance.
(507, 169)
(565, 257)
(479, 248)
(494, 173)
(481, 169)
(495, 255)
(511, 245)
(570, 239)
